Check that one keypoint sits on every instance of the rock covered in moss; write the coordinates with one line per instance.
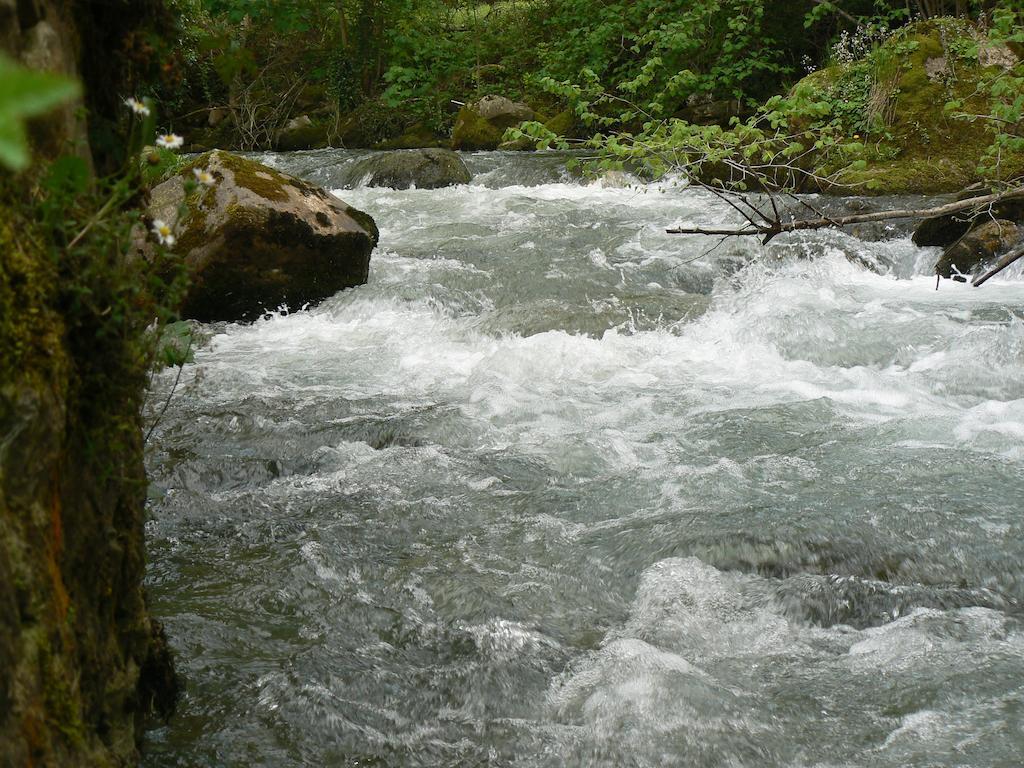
(420, 168)
(302, 132)
(419, 136)
(984, 243)
(501, 112)
(481, 125)
(259, 239)
(372, 123)
(563, 124)
(472, 132)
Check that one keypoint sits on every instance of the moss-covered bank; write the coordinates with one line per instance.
(909, 102)
(81, 662)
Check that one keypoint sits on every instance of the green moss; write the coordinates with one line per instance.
(365, 221)
(910, 176)
(258, 178)
(157, 164)
(897, 98)
(30, 333)
(473, 132)
(193, 228)
(62, 702)
(818, 84)
(562, 124)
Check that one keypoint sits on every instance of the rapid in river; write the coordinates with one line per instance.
(556, 488)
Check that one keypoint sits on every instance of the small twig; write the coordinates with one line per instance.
(97, 217)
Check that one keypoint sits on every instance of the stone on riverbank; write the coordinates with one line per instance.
(260, 238)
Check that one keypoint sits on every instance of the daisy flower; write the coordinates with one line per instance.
(137, 107)
(163, 233)
(169, 141)
(204, 177)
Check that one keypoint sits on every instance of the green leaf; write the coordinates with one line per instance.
(25, 93)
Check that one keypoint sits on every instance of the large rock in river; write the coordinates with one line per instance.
(259, 238)
(420, 168)
(946, 230)
(980, 246)
(481, 125)
(301, 133)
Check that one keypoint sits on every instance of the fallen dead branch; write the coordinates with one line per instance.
(774, 223)
(1006, 260)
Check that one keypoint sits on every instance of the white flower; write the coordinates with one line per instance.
(204, 177)
(137, 106)
(169, 141)
(163, 233)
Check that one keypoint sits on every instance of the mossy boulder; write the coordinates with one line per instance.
(501, 112)
(984, 243)
(563, 124)
(301, 133)
(420, 168)
(259, 239)
(372, 123)
(481, 125)
(418, 136)
(472, 132)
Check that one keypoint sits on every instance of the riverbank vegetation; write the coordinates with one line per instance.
(870, 95)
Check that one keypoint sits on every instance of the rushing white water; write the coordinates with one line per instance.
(556, 488)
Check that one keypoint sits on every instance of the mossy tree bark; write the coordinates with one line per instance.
(81, 662)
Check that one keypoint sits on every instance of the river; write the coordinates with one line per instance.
(556, 488)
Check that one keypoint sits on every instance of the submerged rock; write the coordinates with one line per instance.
(260, 238)
(981, 245)
(420, 168)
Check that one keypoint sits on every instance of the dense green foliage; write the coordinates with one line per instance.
(266, 61)
(810, 83)
(931, 105)
(649, 81)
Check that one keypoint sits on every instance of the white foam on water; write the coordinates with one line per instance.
(712, 652)
(445, 475)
